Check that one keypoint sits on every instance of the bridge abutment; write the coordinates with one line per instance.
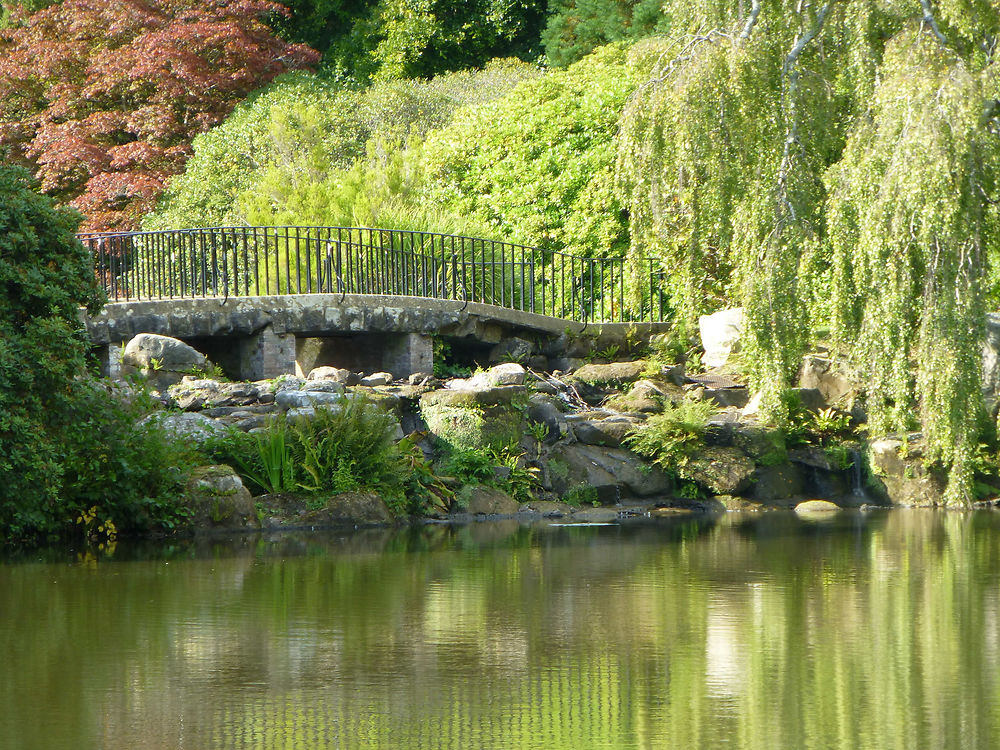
(267, 355)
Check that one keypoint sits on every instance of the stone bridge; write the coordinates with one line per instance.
(257, 337)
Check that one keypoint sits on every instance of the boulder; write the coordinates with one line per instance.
(595, 515)
(466, 398)
(192, 394)
(150, 351)
(723, 470)
(646, 397)
(737, 397)
(336, 374)
(297, 399)
(547, 508)
(489, 501)
(376, 379)
(509, 373)
(904, 479)
(777, 482)
(217, 499)
(827, 377)
(720, 335)
(545, 409)
(810, 507)
(605, 469)
(346, 509)
(189, 427)
(615, 373)
(606, 432)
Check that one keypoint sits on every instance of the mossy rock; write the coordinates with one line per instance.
(611, 374)
(722, 470)
(474, 428)
(468, 398)
(218, 501)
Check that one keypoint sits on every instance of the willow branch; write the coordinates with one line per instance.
(789, 71)
(931, 21)
(752, 20)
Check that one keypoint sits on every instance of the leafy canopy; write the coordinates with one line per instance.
(103, 98)
(831, 165)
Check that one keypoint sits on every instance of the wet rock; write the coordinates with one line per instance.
(732, 504)
(595, 515)
(720, 335)
(489, 501)
(346, 509)
(217, 499)
(723, 470)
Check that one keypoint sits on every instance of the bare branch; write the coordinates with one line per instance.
(931, 21)
(752, 20)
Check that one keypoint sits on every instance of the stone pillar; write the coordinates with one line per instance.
(408, 353)
(267, 355)
(109, 359)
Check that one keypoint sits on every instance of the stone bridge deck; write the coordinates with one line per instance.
(262, 337)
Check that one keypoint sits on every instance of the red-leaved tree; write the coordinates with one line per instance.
(103, 97)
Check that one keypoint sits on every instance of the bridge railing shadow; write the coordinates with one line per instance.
(262, 261)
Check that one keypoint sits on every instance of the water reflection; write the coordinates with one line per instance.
(877, 631)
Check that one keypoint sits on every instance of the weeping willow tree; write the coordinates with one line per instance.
(831, 164)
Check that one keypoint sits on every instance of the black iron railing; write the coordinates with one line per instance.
(260, 261)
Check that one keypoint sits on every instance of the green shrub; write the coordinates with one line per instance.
(671, 437)
(346, 447)
(542, 173)
(280, 156)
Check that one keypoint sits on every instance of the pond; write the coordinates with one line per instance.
(877, 630)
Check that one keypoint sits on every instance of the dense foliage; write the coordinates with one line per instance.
(384, 39)
(66, 443)
(865, 198)
(103, 98)
(288, 155)
(576, 28)
(538, 164)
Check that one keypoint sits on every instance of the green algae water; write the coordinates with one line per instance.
(768, 631)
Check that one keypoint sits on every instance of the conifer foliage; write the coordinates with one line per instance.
(103, 97)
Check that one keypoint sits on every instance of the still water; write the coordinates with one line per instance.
(868, 631)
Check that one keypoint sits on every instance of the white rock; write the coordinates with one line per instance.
(377, 378)
(720, 335)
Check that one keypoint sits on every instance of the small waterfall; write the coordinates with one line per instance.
(857, 480)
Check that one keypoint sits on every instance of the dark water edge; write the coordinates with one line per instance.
(874, 630)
